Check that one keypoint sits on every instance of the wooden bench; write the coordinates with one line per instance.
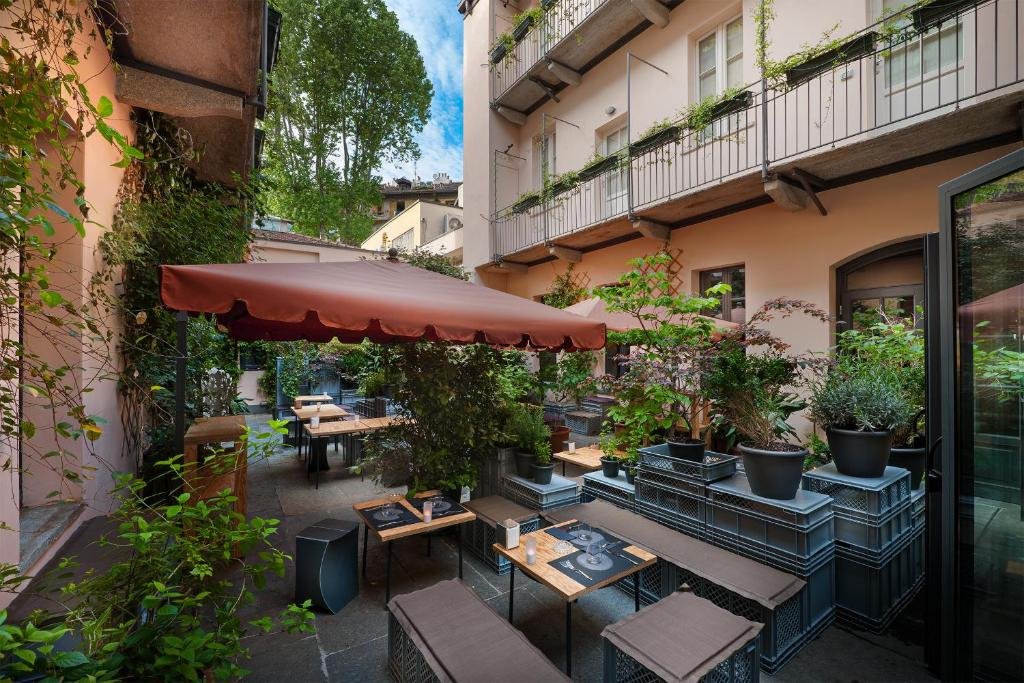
(447, 633)
(740, 585)
(682, 638)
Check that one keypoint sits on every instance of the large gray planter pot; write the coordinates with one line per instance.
(542, 473)
(686, 448)
(524, 464)
(860, 454)
(773, 474)
(913, 459)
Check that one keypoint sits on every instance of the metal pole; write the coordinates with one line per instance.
(544, 172)
(180, 373)
(629, 128)
(764, 128)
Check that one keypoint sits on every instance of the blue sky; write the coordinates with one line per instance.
(437, 27)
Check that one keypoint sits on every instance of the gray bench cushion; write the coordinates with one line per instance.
(682, 637)
(766, 585)
(463, 639)
(493, 509)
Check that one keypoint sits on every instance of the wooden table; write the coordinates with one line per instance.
(200, 480)
(587, 458)
(327, 430)
(391, 534)
(326, 412)
(562, 584)
(301, 401)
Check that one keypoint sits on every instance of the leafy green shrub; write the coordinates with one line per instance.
(526, 427)
(869, 399)
(542, 449)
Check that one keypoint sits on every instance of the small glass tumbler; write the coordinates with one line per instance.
(530, 545)
(428, 511)
(572, 446)
(314, 422)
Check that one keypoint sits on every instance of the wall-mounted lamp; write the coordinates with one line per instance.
(610, 110)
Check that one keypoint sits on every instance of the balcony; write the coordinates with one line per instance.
(882, 111)
(574, 36)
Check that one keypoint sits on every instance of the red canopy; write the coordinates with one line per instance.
(384, 301)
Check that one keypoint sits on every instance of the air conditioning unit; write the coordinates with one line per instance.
(452, 223)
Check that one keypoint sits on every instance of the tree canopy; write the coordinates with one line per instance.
(348, 92)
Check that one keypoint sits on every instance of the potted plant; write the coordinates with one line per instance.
(629, 463)
(610, 459)
(542, 465)
(527, 429)
(897, 346)
(858, 410)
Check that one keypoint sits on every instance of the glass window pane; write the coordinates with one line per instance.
(708, 279)
(706, 54)
(708, 85)
(734, 39)
(734, 73)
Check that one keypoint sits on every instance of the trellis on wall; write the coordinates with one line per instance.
(673, 268)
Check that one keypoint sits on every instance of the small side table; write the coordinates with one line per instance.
(327, 564)
(201, 480)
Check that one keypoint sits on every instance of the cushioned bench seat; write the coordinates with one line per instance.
(447, 633)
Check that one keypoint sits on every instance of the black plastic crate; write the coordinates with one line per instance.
(584, 422)
(878, 537)
(871, 592)
(479, 537)
(788, 562)
(671, 500)
(741, 667)
(615, 490)
(657, 581)
(559, 493)
(869, 500)
(405, 661)
(787, 628)
(805, 510)
(714, 467)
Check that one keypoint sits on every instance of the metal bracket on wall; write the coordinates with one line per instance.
(546, 87)
(810, 184)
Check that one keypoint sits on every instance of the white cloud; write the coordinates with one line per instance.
(437, 27)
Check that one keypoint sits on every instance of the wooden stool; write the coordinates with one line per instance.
(201, 480)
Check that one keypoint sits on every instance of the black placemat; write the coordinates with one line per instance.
(455, 508)
(406, 517)
(588, 576)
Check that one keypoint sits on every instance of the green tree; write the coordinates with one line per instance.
(349, 92)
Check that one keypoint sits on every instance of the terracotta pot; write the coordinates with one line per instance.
(559, 436)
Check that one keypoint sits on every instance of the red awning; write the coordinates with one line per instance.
(384, 301)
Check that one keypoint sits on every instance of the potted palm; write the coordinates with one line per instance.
(858, 408)
(542, 465)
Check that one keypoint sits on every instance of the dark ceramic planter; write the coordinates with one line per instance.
(524, 464)
(610, 467)
(542, 473)
(630, 475)
(773, 474)
(860, 454)
(913, 459)
(686, 449)
(855, 48)
(497, 53)
(522, 28)
(559, 436)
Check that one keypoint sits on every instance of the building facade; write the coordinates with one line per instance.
(602, 130)
(426, 225)
(199, 63)
(402, 193)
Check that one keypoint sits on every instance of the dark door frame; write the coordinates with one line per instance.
(907, 247)
(954, 662)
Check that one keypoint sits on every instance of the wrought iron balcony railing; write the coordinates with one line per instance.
(897, 90)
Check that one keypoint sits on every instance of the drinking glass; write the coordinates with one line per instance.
(530, 546)
(584, 533)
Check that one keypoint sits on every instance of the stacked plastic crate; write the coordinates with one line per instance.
(795, 536)
(673, 491)
(528, 493)
(616, 490)
(879, 551)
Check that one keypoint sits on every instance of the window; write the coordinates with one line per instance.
(544, 159)
(399, 207)
(616, 182)
(734, 303)
(937, 50)
(720, 59)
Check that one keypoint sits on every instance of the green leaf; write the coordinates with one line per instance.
(104, 107)
(67, 660)
(51, 298)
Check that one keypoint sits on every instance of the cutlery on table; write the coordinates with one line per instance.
(569, 565)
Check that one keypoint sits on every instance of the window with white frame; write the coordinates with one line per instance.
(543, 159)
(720, 59)
(613, 142)
(924, 56)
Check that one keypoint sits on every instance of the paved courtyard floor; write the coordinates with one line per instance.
(352, 645)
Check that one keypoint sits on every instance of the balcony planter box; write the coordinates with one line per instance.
(737, 102)
(938, 11)
(547, 4)
(656, 139)
(526, 203)
(497, 53)
(520, 30)
(596, 168)
(848, 51)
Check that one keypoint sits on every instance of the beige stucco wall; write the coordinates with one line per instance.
(77, 260)
(422, 221)
(272, 251)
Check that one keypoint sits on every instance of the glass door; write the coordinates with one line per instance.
(981, 468)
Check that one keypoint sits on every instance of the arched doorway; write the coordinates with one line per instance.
(889, 279)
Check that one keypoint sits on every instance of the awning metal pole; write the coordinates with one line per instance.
(181, 365)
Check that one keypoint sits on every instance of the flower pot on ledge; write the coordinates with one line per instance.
(610, 467)
(542, 473)
(773, 474)
(859, 454)
(524, 464)
(686, 448)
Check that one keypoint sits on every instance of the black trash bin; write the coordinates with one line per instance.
(326, 564)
